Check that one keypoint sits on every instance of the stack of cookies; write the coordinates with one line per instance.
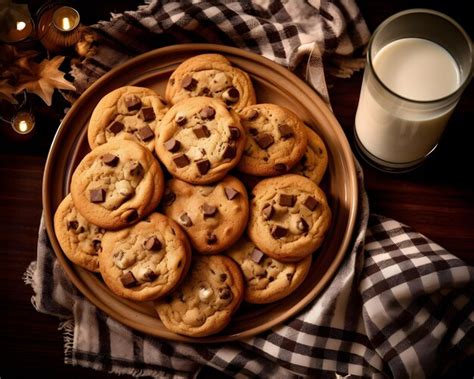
(160, 206)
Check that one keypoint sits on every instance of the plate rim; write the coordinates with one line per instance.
(202, 48)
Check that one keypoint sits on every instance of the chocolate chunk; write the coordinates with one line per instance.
(211, 238)
(280, 167)
(285, 131)
(133, 103)
(271, 279)
(172, 145)
(97, 245)
(148, 114)
(204, 91)
(145, 133)
(181, 160)
(229, 152)
(289, 276)
(252, 115)
(130, 215)
(169, 197)
(303, 160)
(223, 277)
(185, 220)
(110, 160)
(180, 120)
(224, 293)
(287, 200)
(128, 280)
(231, 95)
(311, 203)
(208, 210)
(268, 211)
(149, 275)
(208, 113)
(234, 133)
(203, 166)
(115, 127)
(135, 168)
(302, 225)
(253, 131)
(231, 193)
(265, 140)
(189, 83)
(201, 131)
(72, 225)
(279, 232)
(257, 255)
(97, 195)
(153, 244)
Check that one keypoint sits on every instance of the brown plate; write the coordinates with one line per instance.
(274, 84)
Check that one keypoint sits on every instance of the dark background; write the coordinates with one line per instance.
(436, 200)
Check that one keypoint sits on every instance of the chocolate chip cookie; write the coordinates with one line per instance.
(289, 217)
(200, 140)
(147, 260)
(80, 240)
(276, 140)
(127, 111)
(211, 75)
(213, 217)
(266, 279)
(117, 184)
(314, 162)
(204, 303)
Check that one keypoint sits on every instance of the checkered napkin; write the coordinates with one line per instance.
(399, 306)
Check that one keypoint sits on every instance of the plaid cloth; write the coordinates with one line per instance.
(300, 35)
(399, 306)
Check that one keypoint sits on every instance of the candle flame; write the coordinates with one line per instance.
(23, 126)
(66, 23)
(20, 25)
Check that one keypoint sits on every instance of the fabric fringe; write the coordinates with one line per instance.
(29, 279)
(67, 327)
(344, 67)
(29, 273)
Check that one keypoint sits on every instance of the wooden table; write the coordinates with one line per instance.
(436, 200)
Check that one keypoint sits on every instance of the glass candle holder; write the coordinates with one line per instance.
(16, 24)
(59, 28)
(418, 64)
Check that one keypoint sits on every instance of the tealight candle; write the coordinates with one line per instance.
(23, 122)
(66, 19)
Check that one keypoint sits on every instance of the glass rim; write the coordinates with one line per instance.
(462, 85)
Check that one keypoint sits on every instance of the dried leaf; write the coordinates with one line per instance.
(48, 78)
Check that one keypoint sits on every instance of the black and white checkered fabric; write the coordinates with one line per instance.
(400, 306)
(298, 34)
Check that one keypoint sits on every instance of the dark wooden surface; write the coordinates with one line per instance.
(436, 200)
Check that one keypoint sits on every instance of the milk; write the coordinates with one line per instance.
(397, 130)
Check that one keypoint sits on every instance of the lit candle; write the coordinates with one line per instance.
(66, 19)
(20, 30)
(23, 122)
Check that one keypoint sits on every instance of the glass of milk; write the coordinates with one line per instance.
(419, 62)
